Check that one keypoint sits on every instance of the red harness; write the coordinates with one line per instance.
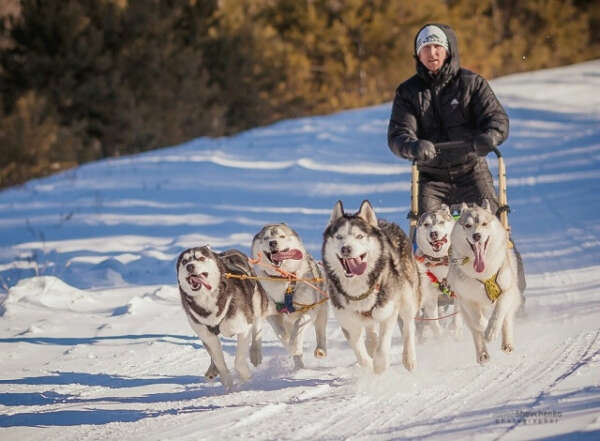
(429, 262)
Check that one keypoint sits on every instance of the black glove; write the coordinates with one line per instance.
(423, 150)
(483, 144)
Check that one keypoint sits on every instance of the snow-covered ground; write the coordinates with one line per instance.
(95, 344)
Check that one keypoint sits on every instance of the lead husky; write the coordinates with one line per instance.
(433, 243)
(215, 304)
(284, 250)
(372, 278)
(485, 276)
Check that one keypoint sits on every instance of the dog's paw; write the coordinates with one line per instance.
(298, 362)
(211, 373)
(380, 363)
(244, 372)
(227, 382)
(255, 356)
(491, 331)
(409, 362)
(366, 363)
(483, 358)
(507, 347)
(320, 353)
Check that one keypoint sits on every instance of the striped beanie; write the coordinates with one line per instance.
(431, 35)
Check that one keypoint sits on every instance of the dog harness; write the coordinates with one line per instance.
(287, 307)
(430, 261)
(492, 289)
(188, 302)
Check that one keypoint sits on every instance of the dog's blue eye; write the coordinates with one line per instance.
(359, 236)
(338, 237)
(468, 225)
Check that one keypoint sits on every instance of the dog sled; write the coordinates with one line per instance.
(503, 208)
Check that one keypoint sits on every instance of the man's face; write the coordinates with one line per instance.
(433, 56)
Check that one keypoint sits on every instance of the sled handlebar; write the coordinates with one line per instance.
(455, 145)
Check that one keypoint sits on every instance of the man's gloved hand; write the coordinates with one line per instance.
(423, 150)
(483, 144)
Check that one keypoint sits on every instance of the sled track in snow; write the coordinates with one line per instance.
(349, 404)
(578, 354)
(433, 409)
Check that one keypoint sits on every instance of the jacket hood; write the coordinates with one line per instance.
(452, 64)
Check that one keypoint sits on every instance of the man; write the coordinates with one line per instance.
(444, 102)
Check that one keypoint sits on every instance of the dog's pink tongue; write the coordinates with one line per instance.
(294, 254)
(197, 280)
(479, 263)
(356, 265)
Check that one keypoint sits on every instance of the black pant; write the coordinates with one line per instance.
(471, 187)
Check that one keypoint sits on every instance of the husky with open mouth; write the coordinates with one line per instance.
(299, 303)
(219, 299)
(484, 274)
(372, 279)
(432, 245)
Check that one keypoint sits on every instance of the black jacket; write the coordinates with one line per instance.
(454, 105)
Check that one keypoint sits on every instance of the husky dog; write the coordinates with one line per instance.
(372, 278)
(433, 242)
(216, 304)
(484, 273)
(300, 304)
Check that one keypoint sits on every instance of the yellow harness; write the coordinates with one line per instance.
(492, 289)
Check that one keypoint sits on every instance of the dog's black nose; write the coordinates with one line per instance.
(476, 237)
(273, 244)
(433, 235)
(346, 250)
(190, 267)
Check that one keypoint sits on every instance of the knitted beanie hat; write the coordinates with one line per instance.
(431, 35)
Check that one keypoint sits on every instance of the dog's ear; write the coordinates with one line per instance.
(338, 211)
(367, 213)
(486, 205)
(422, 218)
(463, 207)
(179, 259)
(445, 209)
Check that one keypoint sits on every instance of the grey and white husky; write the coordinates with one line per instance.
(484, 273)
(283, 249)
(433, 243)
(216, 304)
(372, 279)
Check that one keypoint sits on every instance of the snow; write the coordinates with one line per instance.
(96, 346)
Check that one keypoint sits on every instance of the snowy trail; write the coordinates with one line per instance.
(448, 397)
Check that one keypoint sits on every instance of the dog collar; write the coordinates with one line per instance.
(367, 293)
(430, 261)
